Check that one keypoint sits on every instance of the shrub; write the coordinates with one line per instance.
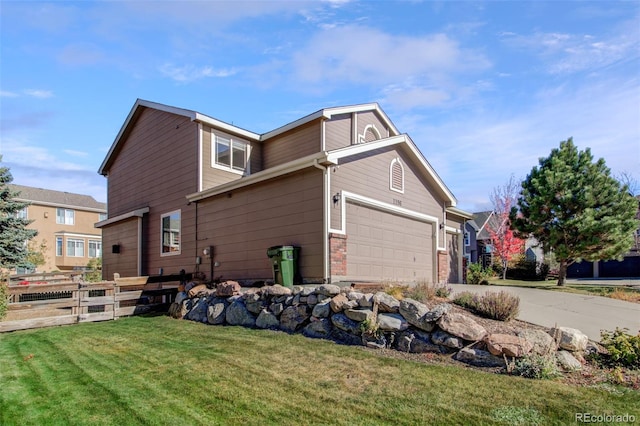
(500, 306)
(623, 348)
(425, 292)
(476, 274)
(4, 298)
(528, 270)
(536, 367)
(443, 291)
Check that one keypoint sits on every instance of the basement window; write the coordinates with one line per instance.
(396, 176)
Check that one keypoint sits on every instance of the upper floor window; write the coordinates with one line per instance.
(22, 213)
(396, 176)
(230, 154)
(102, 216)
(65, 216)
(171, 228)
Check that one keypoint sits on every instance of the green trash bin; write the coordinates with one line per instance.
(284, 263)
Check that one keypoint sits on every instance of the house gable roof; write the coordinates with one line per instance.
(481, 219)
(53, 198)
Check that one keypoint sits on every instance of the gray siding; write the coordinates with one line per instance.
(338, 132)
(370, 117)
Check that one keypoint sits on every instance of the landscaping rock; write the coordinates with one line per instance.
(319, 328)
(345, 337)
(328, 290)
(312, 299)
(386, 302)
(238, 314)
(216, 311)
(442, 338)
(267, 319)
(342, 322)
(570, 339)
(276, 290)
(307, 291)
(321, 310)
(198, 312)
(416, 342)
(479, 358)
(180, 297)
(228, 288)
(392, 322)
(567, 361)
(338, 302)
(354, 295)
(462, 326)
(437, 312)
(541, 342)
(374, 342)
(276, 308)
(199, 291)
(254, 303)
(359, 315)
(507, 344)
(414, 312)
(293, 317)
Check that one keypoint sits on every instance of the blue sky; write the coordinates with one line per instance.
(483, 88)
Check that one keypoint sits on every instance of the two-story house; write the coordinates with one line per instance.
(343, 184)
(67, 237)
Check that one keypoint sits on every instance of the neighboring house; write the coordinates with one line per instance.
(343, 184)
(483, 247)
(65, 223)
(629, 267)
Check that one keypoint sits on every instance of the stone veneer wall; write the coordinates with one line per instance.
(374, 320)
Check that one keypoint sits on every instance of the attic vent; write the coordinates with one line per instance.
(396, 176)
(370, 134)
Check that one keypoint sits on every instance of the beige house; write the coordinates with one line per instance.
(65, 223)
(343, 184)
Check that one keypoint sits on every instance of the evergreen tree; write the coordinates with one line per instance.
(575, 208)
(14, 234)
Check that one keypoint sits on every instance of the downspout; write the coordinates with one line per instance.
(325, 220)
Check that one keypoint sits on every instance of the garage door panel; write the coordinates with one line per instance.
(381, 246)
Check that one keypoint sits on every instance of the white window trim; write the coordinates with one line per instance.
(99, 242)
(75, 241)
(171, 253)
(214, 147)
(373, 128)
(393, 162)
(61, 241)
(64, 222)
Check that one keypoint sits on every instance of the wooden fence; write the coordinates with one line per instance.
(68, 302)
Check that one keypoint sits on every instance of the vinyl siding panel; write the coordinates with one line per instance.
(338, 132)
(367, 174)
(297, 143)
(371, 118)
(243, 225)
(124, 234)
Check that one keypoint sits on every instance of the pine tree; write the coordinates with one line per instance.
(575, 208)
(14, 234)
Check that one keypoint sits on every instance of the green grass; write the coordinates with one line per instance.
(161, 371)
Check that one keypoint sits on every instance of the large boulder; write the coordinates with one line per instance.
(198, 312)
(437, 312)
(267, 319)
(216, 311)
(479, 358)
(338, 302)
(228, 289)
(359, 315)
(462, 326)
(415, 341)
(445, 339)
(392, 322)
(276, 308)
(570, 339)
(319, 328)
(254, 303)
(238, 314)
(328, 290)
(507, 344)
(414, 312)
(200, 291)
(321, 310)
(567, 361)
(342, 322)
(293, 317)
(386, 302)
(276, 290)
(541, 342)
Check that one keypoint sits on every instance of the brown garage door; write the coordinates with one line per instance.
(385, 246)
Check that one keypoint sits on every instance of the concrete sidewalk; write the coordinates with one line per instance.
(589, 314)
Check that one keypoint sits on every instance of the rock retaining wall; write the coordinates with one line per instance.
(374, 320)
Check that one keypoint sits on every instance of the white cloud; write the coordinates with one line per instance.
(188, 73)
(75, 153)
(7, 94)
(41, 94)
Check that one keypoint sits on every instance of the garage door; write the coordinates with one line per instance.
(385, 246)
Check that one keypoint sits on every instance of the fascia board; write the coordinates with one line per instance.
(273, 172)
(134, 213)
(205, 119)
(293, 125)
(65, 206)
(459, 212)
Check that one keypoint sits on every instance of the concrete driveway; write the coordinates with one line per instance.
(548, 308)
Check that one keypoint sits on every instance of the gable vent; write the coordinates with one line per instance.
(396, 171)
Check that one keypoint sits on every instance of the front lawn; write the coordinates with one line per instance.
(157, 370)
